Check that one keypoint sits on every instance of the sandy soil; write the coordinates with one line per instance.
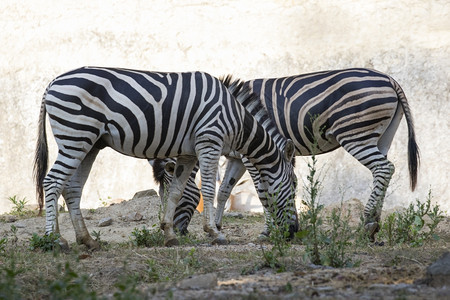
(384, 272)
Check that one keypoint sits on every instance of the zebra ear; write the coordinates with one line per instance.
(289, 150)
(169, 167)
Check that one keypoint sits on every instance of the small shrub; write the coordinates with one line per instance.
(191, 260)
(323, 246)
(69, 285)
(3, 243)
(96, 235)
(278, 236)
(128, 288)
(147, 238)
(415, 226)
(337, 240)
(45, 243)
(9, 289)
(19, 205)
(310, 218)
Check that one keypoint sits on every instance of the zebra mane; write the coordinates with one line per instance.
(253, 105)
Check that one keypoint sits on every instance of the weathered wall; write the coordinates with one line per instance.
(409, 40)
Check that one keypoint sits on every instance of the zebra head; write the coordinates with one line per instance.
(279, 197)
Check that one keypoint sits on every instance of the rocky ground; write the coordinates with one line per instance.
(237, 270)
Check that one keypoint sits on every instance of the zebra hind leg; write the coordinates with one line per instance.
(183, 169)
(235, 170)
(382, 171)
(209, 163)
(382, 174)
(54, 184)
(72, 195)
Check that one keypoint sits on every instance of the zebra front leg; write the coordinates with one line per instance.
(382, 174)
(183, 169)
(235, 170)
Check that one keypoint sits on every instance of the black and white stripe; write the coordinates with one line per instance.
(191, 116)
(357, 109)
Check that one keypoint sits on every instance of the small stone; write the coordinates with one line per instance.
(200, 282)
(234, 214)
(134, 217)
(105, 222)
(20, 225)
(438, 273)
(84, 256)
(146, 193)
(11, 219)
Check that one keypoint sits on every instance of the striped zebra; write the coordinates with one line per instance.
(191, 116)
(357, 109)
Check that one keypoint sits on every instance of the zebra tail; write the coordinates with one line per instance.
(413, 148)
(41, 156)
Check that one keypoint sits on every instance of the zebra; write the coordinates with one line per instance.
(189, 115)
(357, 109)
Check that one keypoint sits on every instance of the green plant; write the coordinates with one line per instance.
(3, 243)
(96, 235)
(9, 289)
(45, 243)
(278, 236)
(361, 237)
(326, 243)
(152, 271)
(127, 286)
(69, 285)
(191, 260)
(105, 202)
(19, 205)
(337, 240)
(415, 226)
(310, 217)
(147, 238)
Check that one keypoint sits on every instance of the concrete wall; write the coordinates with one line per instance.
(410, 40)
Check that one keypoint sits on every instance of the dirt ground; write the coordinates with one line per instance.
(236, 270)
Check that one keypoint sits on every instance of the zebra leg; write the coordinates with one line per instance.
(209, 163)
(187, 205)
(54, 183)
(183, 169)
(382, 174)
(268, 220)
(235, 170)
(72, 195)
(163, 171)
(382, 171)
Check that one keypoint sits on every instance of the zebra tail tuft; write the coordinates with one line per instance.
(41, 156)
(413, 148)
(158, 170)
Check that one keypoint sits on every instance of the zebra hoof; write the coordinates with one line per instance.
(172, 242)
(371, 229)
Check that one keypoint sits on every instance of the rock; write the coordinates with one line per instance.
(205, 281)
(116, 201)
(146, 193)
(20, 225)
(438, 273)
(105, 222)
(234, 214)
(10, 219)
(135, 216)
